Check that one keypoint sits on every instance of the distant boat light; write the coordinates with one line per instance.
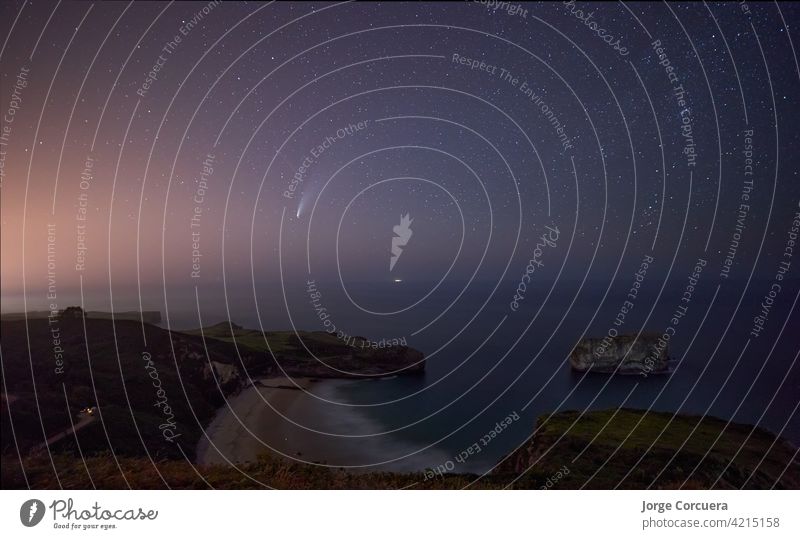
(398, 280)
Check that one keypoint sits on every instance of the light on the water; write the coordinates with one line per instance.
(398, 280)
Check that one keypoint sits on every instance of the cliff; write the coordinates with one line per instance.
(622, 354)
(629, 448)
(317, 354)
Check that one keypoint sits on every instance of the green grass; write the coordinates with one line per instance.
(279, 342)
(640, 444)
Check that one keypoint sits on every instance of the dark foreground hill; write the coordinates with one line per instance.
(146, 386)
(628, 448)
(742, 457)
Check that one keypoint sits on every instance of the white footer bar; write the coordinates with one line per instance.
(389, 514)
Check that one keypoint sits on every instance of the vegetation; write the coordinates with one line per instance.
(52, 371)
(632, 448)
(611, 461)
(123, 444)
(317, 353)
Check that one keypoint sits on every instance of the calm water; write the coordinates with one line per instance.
(533, 378)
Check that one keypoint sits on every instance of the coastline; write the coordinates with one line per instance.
(333, 435)
(241, 430)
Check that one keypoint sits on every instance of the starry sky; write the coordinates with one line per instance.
(180, 145)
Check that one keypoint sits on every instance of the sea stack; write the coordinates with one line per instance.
(645, 354)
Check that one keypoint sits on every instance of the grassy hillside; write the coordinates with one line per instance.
(612, 448)
(124, 372)
(557, 445)
(318, 353)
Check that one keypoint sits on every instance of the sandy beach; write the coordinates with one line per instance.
(250, 422)
(274, 416)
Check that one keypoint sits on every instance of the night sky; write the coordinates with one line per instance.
(491, 181)
(149, 163)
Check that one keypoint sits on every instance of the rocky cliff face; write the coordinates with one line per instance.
(622, 354)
